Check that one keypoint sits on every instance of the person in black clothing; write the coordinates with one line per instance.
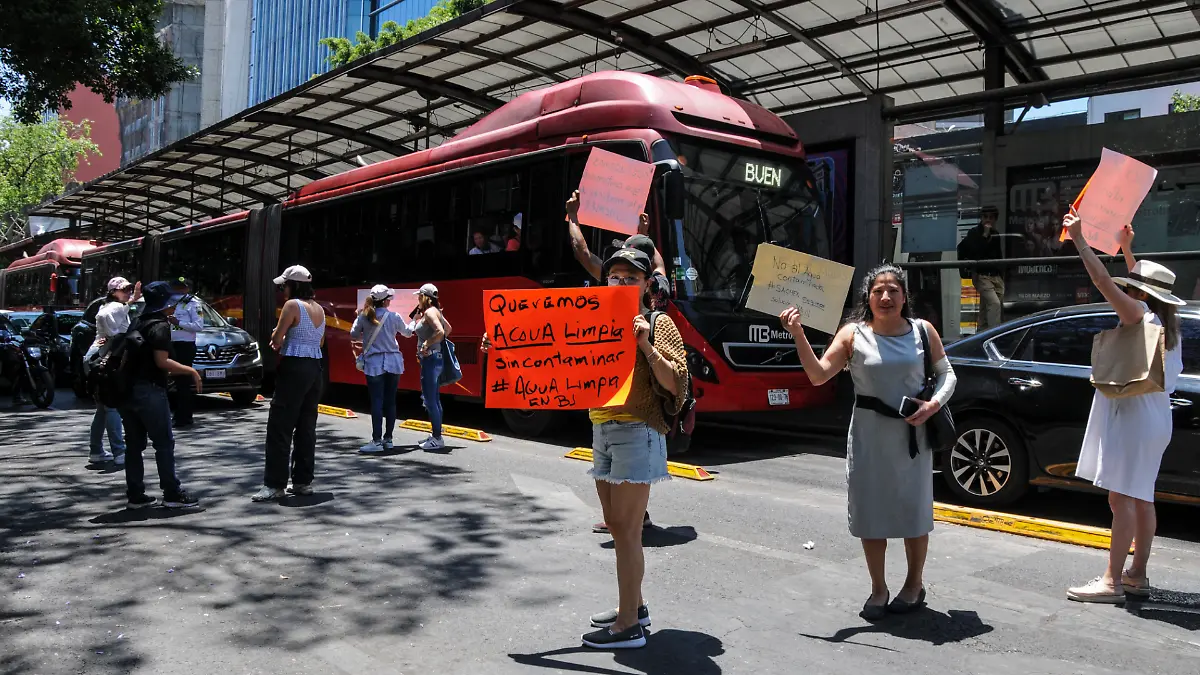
(983, 243)
(147, 414)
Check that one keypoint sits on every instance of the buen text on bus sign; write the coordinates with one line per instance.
(613, 191)
(560, 349)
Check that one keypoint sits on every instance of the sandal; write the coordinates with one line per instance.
(1135, 586)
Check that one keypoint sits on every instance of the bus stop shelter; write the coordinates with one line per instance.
(907, 60)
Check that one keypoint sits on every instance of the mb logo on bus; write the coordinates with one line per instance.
(766, 334)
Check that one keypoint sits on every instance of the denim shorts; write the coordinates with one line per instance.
(628, 452)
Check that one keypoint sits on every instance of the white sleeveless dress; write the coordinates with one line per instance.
(1126, 437)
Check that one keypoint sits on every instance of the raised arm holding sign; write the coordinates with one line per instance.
(561, 349)
(1110, 199)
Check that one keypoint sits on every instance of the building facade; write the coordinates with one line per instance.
(285, 49)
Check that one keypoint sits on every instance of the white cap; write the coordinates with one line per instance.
(429, 290)
(517, 220)
(380, 292)
(118, 283)
(294, 273)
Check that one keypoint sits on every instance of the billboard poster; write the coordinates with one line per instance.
(1038, 198)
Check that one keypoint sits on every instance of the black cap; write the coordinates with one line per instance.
(642, 243)
(629, 256)
(989, 211)
(180, 282)
(158, 296)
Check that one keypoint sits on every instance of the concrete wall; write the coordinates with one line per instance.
(1150, 102)
(106, 132)
(862, 124)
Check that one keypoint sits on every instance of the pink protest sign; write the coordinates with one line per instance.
(612, 193)
(1110, 198)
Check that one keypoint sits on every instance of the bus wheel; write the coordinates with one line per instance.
(532, 423)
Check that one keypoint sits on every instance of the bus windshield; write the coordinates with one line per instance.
(735, 201)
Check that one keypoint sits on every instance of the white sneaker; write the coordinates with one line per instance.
(371, 448)
(431, 443)
(119, 460)
(100, 457)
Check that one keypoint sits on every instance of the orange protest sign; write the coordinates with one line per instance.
(561, 349)
(612, 193)
(1110, 198)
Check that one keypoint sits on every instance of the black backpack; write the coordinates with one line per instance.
(682, 423)
(110, 380)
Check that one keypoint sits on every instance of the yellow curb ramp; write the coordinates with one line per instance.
(677, 469)
(1027, 526)
(259, 398)
(447, 430)
(334, 411)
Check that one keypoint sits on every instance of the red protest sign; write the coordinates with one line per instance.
(561, 349)
(1110, 198)
(612, 193)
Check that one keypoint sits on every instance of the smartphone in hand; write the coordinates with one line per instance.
(909, 406)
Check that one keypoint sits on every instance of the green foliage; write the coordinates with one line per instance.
(37, 161)
(1181, 102)
(343, 51)
(108, 46)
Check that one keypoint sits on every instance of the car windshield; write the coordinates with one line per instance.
(733, 202)
(208, 316)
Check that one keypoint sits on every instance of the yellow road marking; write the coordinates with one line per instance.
(447, 430)
(677, 469)
(1028, 526)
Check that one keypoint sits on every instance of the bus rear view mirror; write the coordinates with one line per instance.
(674, 190)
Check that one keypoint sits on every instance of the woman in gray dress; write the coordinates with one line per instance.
(889, 465)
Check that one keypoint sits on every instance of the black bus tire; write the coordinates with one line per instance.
(531, 423)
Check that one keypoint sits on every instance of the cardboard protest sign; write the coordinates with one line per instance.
(561, 349)
(613, 191)
(1110, 198)
(785, 278)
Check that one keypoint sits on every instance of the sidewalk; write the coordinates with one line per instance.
(481, 560)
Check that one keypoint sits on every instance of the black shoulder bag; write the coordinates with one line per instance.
(939, 429)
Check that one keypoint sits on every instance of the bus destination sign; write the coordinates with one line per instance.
(761, 173)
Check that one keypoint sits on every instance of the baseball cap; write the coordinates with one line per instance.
(642, 243)
(629, 256)
(380, 292)
(180, 282)
(294, 273)
(428, 290)
(118, 283)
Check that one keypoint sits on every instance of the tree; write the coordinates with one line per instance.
(1181, 102)
(108, 46)
(343, 51)
(37, 161)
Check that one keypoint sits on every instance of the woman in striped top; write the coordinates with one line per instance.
(375, 331)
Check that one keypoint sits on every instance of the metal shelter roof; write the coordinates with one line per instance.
(786, 55)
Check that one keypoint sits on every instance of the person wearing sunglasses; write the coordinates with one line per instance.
(629, 448)
(292, 422)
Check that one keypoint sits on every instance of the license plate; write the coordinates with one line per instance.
(220, 375)
(778, 397)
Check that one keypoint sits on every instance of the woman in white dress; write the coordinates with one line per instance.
(1125, 438)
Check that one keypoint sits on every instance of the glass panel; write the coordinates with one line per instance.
(1068, 341)
(1006, 345)
(1190, 339)
(733, 203)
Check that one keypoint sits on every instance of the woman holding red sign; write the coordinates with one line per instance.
(1126, 437)
(629, 448)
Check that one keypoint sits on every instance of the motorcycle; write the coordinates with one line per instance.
(25, 364)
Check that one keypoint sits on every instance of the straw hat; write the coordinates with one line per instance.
(1154, 279)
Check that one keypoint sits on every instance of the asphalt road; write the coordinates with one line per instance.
(480, 559)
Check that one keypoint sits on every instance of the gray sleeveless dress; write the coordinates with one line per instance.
(890, 494)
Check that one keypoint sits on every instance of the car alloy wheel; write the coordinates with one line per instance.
(981, 463)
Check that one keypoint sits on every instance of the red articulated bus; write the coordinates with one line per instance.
(729, 175)
(48, 278)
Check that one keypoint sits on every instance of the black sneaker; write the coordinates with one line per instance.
(141, 502)
(631, 638)
(180, 500)
(606, 619)
(301, 490)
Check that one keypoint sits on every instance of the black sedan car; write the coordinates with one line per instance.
(1022, 405)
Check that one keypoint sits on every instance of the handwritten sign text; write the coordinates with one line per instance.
(1110, 198)
(785, 278)
(560, 349)
(612, 193)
